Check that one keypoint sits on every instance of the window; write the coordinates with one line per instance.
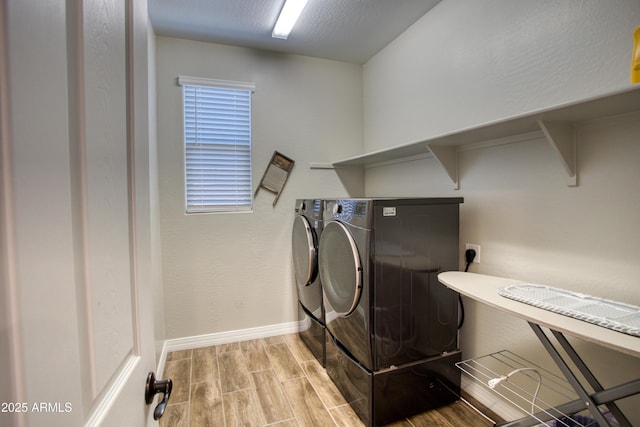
(217, 143)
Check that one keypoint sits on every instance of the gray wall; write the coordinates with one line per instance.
(225, 272)
(469, 62)
(463, 64)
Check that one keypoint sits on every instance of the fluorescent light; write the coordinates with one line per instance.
(288, 17)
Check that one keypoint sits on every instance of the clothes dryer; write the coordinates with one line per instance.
(307, 228)
(392, 324)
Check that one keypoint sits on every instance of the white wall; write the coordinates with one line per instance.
(468, 62)
(224, 272)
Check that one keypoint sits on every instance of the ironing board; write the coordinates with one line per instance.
(486, 289)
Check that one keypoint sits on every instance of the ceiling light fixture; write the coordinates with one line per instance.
(288, 17)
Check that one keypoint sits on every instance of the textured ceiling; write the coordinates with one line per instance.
(344, 30)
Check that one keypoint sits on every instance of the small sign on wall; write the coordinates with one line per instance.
(276, 175)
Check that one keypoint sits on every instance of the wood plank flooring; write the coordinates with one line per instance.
(271, 382)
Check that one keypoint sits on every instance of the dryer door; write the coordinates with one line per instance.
(340, 268)
(304, 244)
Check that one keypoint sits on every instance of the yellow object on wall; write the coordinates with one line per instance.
(635, 58)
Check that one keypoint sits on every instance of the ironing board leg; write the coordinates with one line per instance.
(569, 375)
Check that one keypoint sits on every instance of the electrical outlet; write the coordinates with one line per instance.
(475, 248)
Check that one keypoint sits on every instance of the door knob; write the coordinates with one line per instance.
(153, 387)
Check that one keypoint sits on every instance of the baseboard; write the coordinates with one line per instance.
(227, 337)
(481, 408)
(492, 404)
(162, 360)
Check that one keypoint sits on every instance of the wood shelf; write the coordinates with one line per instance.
(556, 123)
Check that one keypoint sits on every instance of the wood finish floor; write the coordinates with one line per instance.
(271, 382)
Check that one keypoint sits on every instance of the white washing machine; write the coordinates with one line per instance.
(307, 228)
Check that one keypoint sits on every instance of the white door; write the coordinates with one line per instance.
(76, 318)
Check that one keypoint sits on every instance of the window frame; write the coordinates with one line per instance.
(190, 147)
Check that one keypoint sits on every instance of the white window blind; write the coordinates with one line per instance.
(217, 138)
